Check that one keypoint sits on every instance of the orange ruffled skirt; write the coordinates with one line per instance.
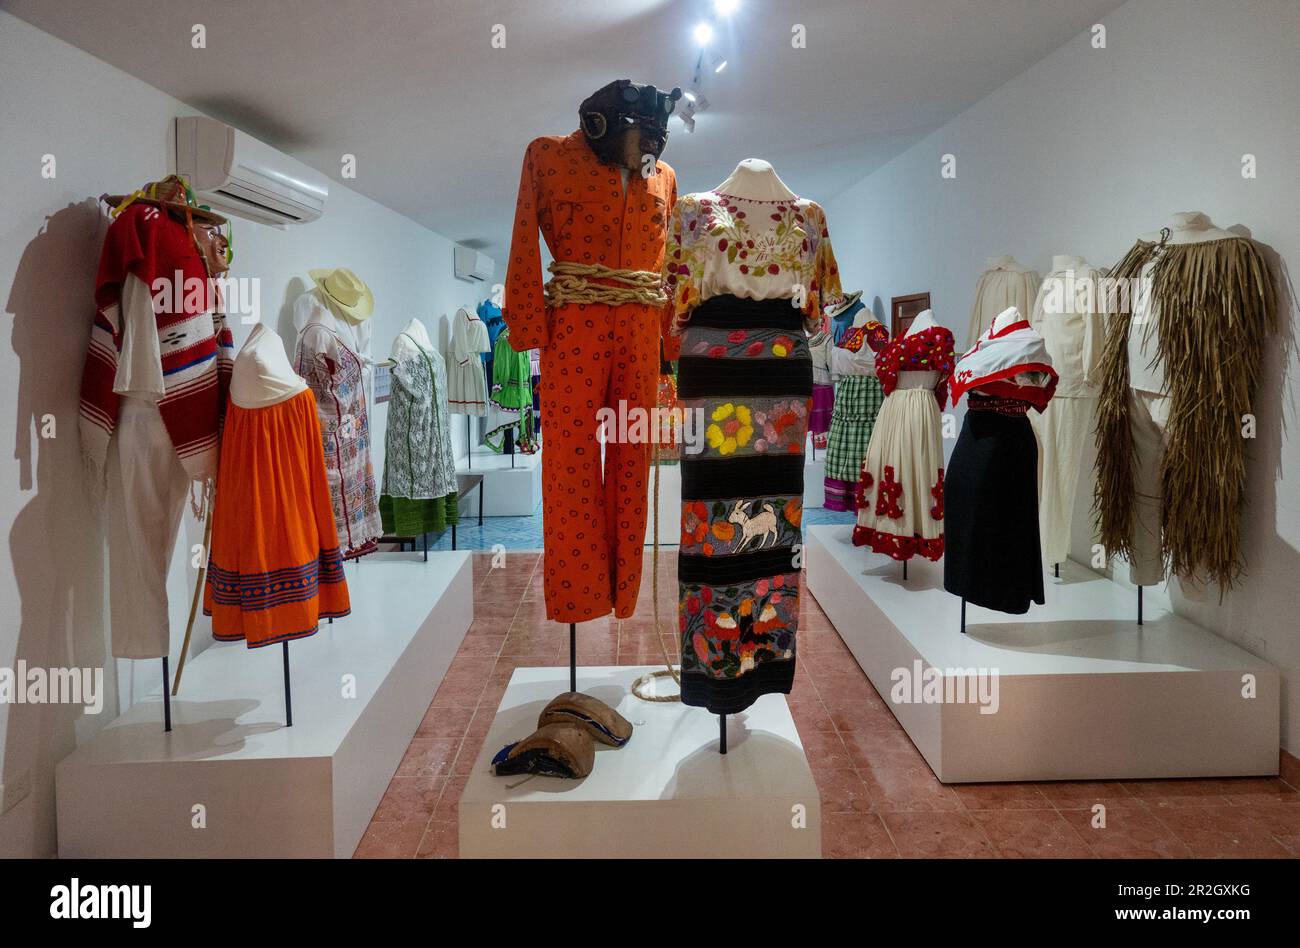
(274, 568)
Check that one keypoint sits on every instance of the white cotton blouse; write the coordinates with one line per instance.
(1068, 314)
(262, 374)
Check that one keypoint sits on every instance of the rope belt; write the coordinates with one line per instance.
(576, 283)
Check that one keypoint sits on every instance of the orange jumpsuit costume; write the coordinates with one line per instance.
(594, 356)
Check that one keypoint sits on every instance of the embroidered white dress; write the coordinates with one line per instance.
(466, 380)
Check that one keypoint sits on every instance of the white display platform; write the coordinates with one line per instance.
(670, 505)
(666, 793)
(814, 476)
(1084, 693)
(507, 491)
(267, 790)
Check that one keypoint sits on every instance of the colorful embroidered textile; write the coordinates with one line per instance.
(274, 568)
(722, 244)
(1010, 361)
(900, 499)
(745, 372)
(418, 495)
(194, 346)
(334, 373)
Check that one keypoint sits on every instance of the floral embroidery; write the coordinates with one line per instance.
(887, 498)
(899, 548)
(757, 244)
(762, 425)
(747, 343)
(731, 429)
(930, 350)
(937, 493)
(731, 629)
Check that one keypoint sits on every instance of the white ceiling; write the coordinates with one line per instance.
(438, 119)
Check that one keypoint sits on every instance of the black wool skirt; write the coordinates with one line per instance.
(992, 556)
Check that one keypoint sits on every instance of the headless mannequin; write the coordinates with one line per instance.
(1006, 262)
(1007, 317)
(1063, 262)
(756, 180)
(1191, 227)
(924, 320)
(420, 335)
(262, 374)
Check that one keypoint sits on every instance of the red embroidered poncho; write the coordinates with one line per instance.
(196, 347)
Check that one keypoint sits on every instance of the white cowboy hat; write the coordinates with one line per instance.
(345, 293)
(843, 303)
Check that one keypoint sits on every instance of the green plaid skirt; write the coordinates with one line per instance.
(857, 402)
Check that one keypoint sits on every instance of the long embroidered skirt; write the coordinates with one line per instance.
(274, 566)
(900, 493)
(993, 556)
(857, 403)
(746, 375)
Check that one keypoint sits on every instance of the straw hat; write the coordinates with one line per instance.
(845, 302)
(171, 192)
(345, 292)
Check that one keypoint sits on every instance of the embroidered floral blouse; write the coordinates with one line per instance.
(720, 244)
(929, 350)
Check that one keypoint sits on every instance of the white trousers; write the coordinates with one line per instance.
(146, 494)
(1063, 431)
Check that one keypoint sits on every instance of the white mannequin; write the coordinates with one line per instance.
(929, 379)
(1063, 262)
(262, 374)
(416, 330)
(1006, 262)
(924, 320)
(756, 180)
(1006, 318)
(1191, 227)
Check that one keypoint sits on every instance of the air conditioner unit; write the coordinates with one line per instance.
(235, 172)
(472, 265)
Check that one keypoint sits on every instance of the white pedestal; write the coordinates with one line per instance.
(508, 491)
(666, 793)
(814, 477)
(1083, 692)
(266, 790)
(670, 505)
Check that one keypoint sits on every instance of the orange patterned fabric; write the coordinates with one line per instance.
(594, 356)
(274, 568)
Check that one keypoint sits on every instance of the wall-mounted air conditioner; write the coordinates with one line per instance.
(234, 172)
(472, 265)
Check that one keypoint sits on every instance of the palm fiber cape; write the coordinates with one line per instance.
(1216, 306)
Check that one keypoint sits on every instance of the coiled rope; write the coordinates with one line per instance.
(575, 283)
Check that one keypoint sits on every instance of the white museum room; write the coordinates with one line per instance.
(651, 429)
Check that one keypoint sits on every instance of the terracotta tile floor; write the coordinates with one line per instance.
(879, 798)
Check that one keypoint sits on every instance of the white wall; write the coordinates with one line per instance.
(1081, 154)
(110, 133)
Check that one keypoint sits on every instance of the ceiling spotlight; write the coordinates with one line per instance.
(726, 7)
(687, 115)
(718, 63)
(703, 34)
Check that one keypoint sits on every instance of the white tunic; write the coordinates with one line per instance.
(466, 380)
